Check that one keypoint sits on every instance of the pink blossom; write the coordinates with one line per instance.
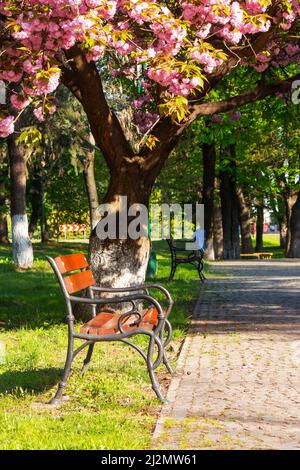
(6, 126)
(152, 39)
(292, 49)
(19, 101)
(38, 112)
(261, 67)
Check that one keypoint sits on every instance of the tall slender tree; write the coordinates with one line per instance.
(209, 165)
(229, 204)
(3, 194)
(245, 221)
(294, 248)
(21, 244)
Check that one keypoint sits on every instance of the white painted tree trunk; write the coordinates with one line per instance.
(21, 243)
(119, 263)
(116, 263)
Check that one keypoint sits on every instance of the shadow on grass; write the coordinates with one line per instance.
(34, 380)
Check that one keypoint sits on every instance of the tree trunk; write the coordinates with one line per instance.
(122, 261)
(245, 222)
(22, 246)
(36, 202)
(235, 233)
(229, 204)
(117, 262)
(91, 188)
(294, 248)
(3, 214)
(290, 198)
(38, 207)
(3, 228)
(279, 209)
(44, 227)
(218, 233)
(259, 228)
(283, 235)
(226, 206)
(209, 163)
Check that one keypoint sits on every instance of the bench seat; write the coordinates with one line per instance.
(107, 323)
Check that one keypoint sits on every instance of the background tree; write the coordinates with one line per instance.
(21, 244)
(3, 194)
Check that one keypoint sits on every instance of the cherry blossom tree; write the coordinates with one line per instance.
(167, 56)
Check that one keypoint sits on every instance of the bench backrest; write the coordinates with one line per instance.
(67, 264)
(175, 249)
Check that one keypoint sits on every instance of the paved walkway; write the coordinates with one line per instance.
(238, 383)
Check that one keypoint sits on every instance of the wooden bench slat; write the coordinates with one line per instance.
(79, 281)
(68, 263)
(107, 323)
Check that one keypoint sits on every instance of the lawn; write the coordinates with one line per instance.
(113, 406)
(271, 242)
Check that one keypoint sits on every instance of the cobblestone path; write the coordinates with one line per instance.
(238, 382)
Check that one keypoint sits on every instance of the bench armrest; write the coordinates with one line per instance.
(166, 294)
(118, 300)
(143, 287)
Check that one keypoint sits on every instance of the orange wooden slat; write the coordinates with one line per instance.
(150, 315)
(107, 323)
(68, 263)
(79, 281)
(103, 324)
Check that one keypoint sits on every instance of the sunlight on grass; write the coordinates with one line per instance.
(271, 242)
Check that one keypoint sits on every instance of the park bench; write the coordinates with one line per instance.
(263, 255)
(179, 255)
(144, 315)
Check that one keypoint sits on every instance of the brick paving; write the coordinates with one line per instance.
(238, 382)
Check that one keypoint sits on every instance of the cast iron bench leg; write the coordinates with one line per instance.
(57, 398)
(172, 273)
(165, 343)
(88, 358)
(152, 375)
(200, 271)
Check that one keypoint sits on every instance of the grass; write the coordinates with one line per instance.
(271, 242)
(113, 406)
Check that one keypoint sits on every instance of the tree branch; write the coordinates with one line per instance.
(69, 80)
(168, 128)
(85, 82)
(260, 92)
(169, 132)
